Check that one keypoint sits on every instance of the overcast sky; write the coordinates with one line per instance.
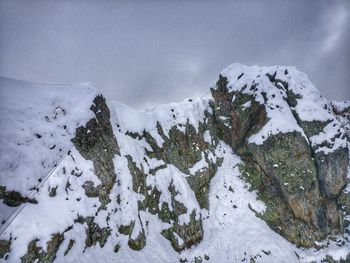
(149, 52)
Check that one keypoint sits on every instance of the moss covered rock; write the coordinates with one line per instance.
(96, 142)
(139, 242)
(332, 171)
(37, 254)
(185, 235)
(5, 247)
(297, 184)
(13, 198)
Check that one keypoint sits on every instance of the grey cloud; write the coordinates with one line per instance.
(149, 52)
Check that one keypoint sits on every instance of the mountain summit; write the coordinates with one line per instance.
(258, 172)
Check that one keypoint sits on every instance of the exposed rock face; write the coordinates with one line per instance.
(331, 170)
(234, 121)
(13, 198)
(95, 234)
(191, 233)
(5, 247)
(37, 254)
(299, 182)
(341, 111)
(332, 166)
(292, 151)
(96, 142)
(183, 149)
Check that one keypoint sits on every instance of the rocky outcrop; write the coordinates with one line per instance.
(163, 172)
(234, 121)
(95, 234)
(332, 171)
(298, 183)
(5, 248)
(185, 235)
(96, 142)
(37, 254)
(13, 198)
(182, 149)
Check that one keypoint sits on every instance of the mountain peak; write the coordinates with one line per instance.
(256, 173)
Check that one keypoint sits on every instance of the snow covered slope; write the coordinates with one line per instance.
(37, 123)
(256, 173)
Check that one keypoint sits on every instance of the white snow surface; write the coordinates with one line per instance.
(311, 105)
(37, 122)
(232, 232)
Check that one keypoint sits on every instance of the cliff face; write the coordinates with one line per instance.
(198, 180)
(294, 150)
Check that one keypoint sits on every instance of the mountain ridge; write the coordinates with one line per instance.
(181, 181)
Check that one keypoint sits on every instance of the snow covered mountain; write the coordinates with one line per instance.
(256, 172)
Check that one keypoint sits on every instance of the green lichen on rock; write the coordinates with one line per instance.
(237, 114)
(139, 242)
(278, 214)
(296, 185)
(251, 172)
(344, 200)
(178, 208)
(292, 98)
(222, 109)
(286, 158)
(151, 201)
(182, 149)
(332, 171)
(270, 215)
(138, 176)
(13, 198)
(168, 213)
(312, 127)
(96, 142)
(183, 145)
(94, 233)
(151, 195)
(165, 214)
(200, 182)
(69, 247)
(116, 248)
(329, 259)
(198, 259)
(190, 234)
(53, 191)
(37, 254)
(285, 175)
(90, 189)
(5, 247)
(126, 229)
(331, 166)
